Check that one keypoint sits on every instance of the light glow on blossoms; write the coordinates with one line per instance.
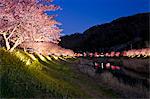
(48, 48)
(112, 54)
(117, 54)
(25, 21)
(145, 52)
(108, 65)
(96, 54)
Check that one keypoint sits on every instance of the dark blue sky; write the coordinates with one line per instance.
(79, 15)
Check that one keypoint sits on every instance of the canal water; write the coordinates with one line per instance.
(124, 75)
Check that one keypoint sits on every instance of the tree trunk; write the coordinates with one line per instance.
(7, 45)
(6, 42)
(15, 45)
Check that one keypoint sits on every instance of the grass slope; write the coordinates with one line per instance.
(25, 75)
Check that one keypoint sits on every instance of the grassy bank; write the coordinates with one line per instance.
(25, 75)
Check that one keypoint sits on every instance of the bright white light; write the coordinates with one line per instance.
(102, 65)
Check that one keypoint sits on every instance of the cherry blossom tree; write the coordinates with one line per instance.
(24, 21)
(47, 48)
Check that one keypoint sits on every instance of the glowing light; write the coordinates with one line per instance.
(113, 67)
(21, 56)
(48, 58)
(32, 56)
(108, 65)
(117, 67)
(138, 53)
(145, 52)
(41, 57)
(84, 54)
(96, 54)
(91, 54)
(55, 57)
(102, 55)
(125, 53)
(112, 54)
(107, 55)
(78, 55)
(96, 65)
(62, 59)
(102, 65)
(117, 54)
(28, 62)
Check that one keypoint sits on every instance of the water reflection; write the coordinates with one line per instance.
(118, 72)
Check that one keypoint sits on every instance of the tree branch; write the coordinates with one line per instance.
(4, 35)
(13, 31)
(6, 41)
(18, 42)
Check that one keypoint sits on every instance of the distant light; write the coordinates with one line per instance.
(112, 54)
(117, 54)
(96, 65)
(113, 67)
(108, 65)
(84, 54)
(96, 54)
(117, 67)
(102, 65)
(91, 54)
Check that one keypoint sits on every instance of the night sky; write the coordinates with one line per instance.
(79, 15)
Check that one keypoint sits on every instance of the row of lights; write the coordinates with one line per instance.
(107, 66)
(145, 52)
